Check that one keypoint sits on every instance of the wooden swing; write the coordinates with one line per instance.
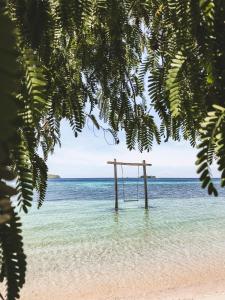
(144, 165)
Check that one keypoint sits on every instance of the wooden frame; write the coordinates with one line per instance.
(115, 163)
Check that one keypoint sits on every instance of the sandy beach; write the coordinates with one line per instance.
(208, 284)
(210, 291)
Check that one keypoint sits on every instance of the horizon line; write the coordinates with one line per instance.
(128, 177)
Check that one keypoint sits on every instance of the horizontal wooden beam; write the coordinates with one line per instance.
(126, 164)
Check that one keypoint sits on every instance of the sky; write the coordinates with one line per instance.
(87, 156)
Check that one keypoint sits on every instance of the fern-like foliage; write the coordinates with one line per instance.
(98, 47)
(40, 172)
(174, 84)
(24, 174)
(12, 259)
(212, 147)
(185, 60)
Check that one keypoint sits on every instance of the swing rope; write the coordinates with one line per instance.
(123, 183)
(138, 185)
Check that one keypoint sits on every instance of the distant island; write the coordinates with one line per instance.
(53, 176)
(148, 177)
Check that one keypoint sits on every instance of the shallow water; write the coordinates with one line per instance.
(77, 242)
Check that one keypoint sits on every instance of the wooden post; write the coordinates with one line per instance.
(145, 184)
(116, 186)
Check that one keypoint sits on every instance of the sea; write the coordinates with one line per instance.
(78, 247)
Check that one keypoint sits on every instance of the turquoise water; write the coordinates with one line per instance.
(77, 239)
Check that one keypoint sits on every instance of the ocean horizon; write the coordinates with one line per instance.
(120, 178)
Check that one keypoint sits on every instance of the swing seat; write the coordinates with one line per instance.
(130, 200)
